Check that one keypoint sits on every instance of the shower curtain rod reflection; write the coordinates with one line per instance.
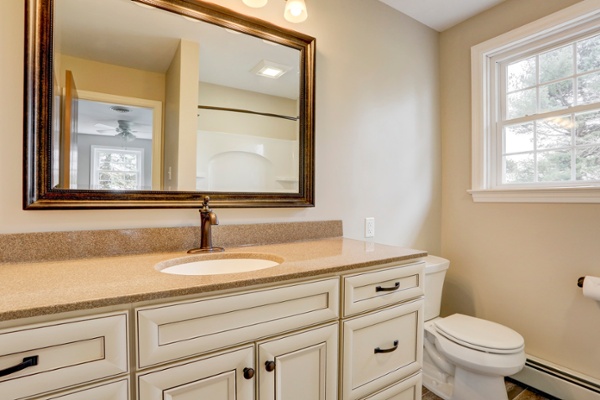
(248, 112)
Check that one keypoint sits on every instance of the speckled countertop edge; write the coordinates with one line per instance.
(42, 288)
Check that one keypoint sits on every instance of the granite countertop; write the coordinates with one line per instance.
(40, 288)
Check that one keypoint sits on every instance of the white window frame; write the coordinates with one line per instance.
(571, 21)
(94, 171)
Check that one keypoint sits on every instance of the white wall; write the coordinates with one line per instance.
(377, 130)
(513, 263)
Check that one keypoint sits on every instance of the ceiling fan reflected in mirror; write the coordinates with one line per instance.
(125, 121)
(124, 130)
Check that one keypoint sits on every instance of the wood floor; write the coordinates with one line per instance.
(515, 391)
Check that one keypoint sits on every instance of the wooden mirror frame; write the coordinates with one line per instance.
(38, 118)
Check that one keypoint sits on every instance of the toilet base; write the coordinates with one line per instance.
(464, 385)
(440, 387)
(434, 379)
(473, 386)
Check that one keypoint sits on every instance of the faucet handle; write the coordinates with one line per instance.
(205, 206)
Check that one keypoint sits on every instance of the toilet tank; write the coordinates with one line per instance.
(435, 272)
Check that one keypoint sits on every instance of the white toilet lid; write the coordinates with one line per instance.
(479, 334)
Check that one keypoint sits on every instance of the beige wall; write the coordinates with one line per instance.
(114, 79)
(181, 102)
(377, 130)
(516, 264)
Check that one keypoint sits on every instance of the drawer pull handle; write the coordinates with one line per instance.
(378, 350)
(248, 373)
(27, 362)
(270, 366)
(388, 289)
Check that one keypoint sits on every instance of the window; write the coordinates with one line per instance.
(115, 168)
(550, 119)
(536, 111)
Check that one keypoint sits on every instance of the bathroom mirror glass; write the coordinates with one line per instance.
(157, 103)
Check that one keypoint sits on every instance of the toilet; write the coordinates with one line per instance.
(465, 358)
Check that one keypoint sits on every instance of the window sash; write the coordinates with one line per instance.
(498, 104)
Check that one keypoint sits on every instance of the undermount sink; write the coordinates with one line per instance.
(216, 265)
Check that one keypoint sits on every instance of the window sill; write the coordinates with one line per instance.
(541, 195)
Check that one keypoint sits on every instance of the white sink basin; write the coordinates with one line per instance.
(216, 266)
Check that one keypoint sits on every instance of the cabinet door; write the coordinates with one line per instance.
(223, 376)
(299, 366)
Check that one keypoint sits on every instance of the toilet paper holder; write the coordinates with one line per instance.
(580, 281)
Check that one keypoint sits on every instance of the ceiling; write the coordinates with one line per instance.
(441, 14)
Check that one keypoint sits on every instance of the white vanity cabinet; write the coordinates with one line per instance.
(46, 358)
(382, 330)
(288, 337)
(280, 342)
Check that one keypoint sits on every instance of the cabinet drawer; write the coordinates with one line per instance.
(69, 352)
(179, 330)
(408, 389)
(381, 348)
(118, 390)
(389, 285)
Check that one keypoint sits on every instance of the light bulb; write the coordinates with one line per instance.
(255, 3)
(295, 11)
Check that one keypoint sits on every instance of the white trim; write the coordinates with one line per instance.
(542, 195)
(481, 61)
(557, 381)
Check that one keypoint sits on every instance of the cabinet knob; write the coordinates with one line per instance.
(270, 366)
(248, 373)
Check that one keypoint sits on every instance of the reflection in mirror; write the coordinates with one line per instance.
(192, 63)
(158, 100)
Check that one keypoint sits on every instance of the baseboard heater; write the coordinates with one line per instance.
(558, 381)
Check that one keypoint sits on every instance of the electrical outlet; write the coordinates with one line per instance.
(369, 227)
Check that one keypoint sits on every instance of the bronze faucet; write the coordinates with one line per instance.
(207, 219)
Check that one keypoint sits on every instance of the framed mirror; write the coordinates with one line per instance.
(157, 103)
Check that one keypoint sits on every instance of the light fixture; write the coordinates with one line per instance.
(295, 10)
(120, 109)
(270, 69)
